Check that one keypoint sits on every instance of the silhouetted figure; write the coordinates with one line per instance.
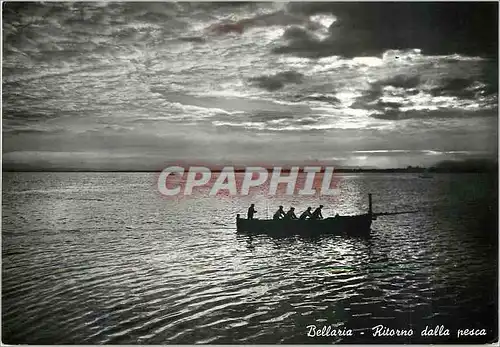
(317, 213)
(306, 214)
(291, 214)
(279, 214)
(251, 211)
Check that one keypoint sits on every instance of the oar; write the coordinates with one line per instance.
(393, 213)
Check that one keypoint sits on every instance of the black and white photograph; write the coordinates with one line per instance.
(249, 173)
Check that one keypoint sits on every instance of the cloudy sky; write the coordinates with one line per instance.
(139, 85)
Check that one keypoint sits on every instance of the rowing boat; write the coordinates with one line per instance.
(351, 225)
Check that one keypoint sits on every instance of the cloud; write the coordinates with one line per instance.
(264, 116)
(394, 112)
(275, 18)
(317, 97)
(196, 39)
(301, 42)
(401, 81)
(187, 100)
(278, 80)
(28, 130)
(441, 94)
(80, 160)
(468, 88)
(372, 28)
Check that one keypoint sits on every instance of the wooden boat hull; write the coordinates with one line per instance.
(351, 225)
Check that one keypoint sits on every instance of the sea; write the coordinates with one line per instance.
(103, 258)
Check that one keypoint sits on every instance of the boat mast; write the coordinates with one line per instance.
(370, 210)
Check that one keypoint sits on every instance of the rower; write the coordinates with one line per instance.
(279, 214)
(291, 214)
(306, 214)
(317, 213)
(251, 211)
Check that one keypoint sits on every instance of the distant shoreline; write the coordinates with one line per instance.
(394, 170)
(446, 166)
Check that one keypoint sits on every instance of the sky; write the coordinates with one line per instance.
(138, 86)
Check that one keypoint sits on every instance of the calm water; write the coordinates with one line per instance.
(95, 258)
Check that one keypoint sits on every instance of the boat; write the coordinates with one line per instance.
(356, 225)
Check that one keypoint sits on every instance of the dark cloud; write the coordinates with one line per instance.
(265, 116)
(461, 87)
(301, 42)
(389, 105)
(397, 114)
(400, 103)
(197, 39)
(298, 34)
(277, 81)
(28, 131)
(316, 97)
(409, 84)
(401, 81)
(24, 115)
(276, 18)
(372, 28)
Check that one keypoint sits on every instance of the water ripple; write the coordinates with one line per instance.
(164, 283)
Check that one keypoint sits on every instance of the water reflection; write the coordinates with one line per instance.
(134, 268)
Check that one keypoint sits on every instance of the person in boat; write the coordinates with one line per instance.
(251, 211)
(317, 213)
(279, 214)
(291, 214)
(306, 214)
